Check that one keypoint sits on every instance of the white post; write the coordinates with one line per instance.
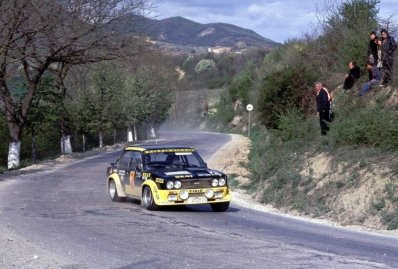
(248, 131)
(129, 134)
(249, 108)
(67, 144)
(14, 152)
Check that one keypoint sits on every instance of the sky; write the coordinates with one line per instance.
(276, 20)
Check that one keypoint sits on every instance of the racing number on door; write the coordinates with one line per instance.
(132, 178)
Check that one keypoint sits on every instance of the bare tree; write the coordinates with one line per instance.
(43, 34)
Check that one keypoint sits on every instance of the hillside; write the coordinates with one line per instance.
(189, 35)
(315, 176)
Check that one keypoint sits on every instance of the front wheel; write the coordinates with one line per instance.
(220, 207)
(147, 199)
(112, 190)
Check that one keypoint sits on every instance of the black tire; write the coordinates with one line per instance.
(112, 190)
(147, 199)
(220, 207)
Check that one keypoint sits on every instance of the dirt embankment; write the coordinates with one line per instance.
(358, 195)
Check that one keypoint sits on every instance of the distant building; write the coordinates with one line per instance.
(219, 49)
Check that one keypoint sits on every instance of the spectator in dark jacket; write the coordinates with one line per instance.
(388, 47)
(376, 78)
(352, 76)
(323, 106)
(372, 50)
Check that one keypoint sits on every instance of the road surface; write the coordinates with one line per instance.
(65, 215)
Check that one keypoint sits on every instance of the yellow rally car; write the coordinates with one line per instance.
(166, 176)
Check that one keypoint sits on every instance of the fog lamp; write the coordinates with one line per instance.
(218, 195)
(184, 194)
(172, 197)
(209, 194)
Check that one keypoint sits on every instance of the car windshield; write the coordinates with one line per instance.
(169, 158)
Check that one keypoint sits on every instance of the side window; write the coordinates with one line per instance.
(135, 160)
(124, 160)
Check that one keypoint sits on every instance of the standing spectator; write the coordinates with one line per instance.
(323, 106)
(372, 50)
(379, 61)
(376, 79)
(388, 47)
(352, 76)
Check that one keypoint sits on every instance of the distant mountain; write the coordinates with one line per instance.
(185, 33)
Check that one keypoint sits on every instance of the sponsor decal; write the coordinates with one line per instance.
(167, 150)
(195, 191)
(175, 173)
(184, 176)
(146, 175)
(159, 180)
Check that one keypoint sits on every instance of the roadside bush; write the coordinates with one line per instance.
(391, 220)
(294, 126)
(224, 112)
(204, 65)
(367, 126)
(285, 89)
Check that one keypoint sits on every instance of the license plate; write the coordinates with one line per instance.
(197, 200)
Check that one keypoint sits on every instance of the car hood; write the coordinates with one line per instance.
(181, 173)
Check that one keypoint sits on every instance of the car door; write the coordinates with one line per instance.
(123, 168)
(135, 173)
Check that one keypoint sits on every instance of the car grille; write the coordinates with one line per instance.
(196, 183)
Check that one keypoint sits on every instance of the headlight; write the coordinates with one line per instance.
(177, 184)
(170, 184)
(184, 194)
(209, 193)
(214, 182)
(221, 182)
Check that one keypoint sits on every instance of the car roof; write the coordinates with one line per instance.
(156, 147)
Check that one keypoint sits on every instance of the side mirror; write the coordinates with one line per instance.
(206, 165)
(138, 168)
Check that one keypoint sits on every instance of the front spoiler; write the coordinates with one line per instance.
(161, 196)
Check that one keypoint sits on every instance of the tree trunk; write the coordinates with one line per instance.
(66, 145)
(101, 139)
(129, 134)
(62, 144)
(84, 142)
(14, 151)
(114, 136)
(135, 133)
(152, 133)
(34, 151)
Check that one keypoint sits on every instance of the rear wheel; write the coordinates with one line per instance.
(147, 199)
(220, 207)
(112, 190)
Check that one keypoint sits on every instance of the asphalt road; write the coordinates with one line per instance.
(67, 212)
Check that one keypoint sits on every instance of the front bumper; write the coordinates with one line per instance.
(195, 196)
